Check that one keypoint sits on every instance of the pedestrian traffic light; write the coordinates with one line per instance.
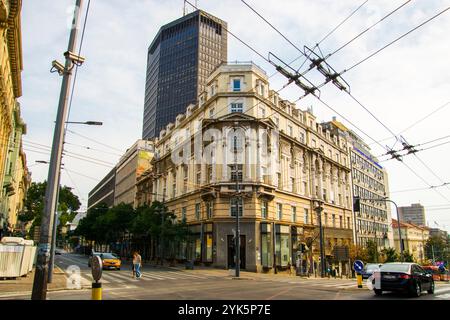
(356, 204)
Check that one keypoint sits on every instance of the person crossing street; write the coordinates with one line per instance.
(137, 263)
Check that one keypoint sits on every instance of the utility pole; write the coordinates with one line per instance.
(319, 210)
(238, 198)
(43, 253)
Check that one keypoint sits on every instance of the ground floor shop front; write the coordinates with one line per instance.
(264, 247)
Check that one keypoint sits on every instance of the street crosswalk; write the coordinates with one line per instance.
(323, 283)
(125, 277)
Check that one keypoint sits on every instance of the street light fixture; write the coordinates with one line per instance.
(89, 123)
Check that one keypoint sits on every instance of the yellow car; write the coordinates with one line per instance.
(110, 260)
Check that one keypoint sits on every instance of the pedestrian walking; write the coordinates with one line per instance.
(137, 263)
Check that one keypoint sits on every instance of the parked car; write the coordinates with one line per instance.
(109, 260)
(369, 269)
(403, 277)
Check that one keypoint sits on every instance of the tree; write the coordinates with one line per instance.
(357, 252)
(372, 251)
(438, 249)
(389, 255)
(407, 256)
(68, 204)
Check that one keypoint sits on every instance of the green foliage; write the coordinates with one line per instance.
(407, 256)
(438, 249)
(372, 252)
(105, 225)
(68, 204)
(389, 255)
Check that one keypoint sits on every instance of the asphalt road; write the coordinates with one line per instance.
(175, 284)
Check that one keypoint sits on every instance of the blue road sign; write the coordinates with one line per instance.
(358, 265)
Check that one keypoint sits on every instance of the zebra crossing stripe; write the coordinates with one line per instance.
(160, 276)
(187, 275)
(151, 277)
(121, 276)
(443, 296)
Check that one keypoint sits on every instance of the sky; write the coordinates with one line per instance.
(400, 85)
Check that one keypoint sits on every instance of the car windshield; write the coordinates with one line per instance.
(108, 256)
(394, 267)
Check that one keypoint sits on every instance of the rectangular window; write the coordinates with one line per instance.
(262, 112)
(197, 211)
(290, 131)
(236, 175)
(340, 222)
(302, 137)
(209, 209)
(261, 89)
(236, 85)
(209, 247)
(211, 113)
(183, 213)
(333, 219)
(279, 211)
(236, 206)
(292, 185)
(237, 107)
(325, 219)
(264, 209)
(305, 188)
(294, 214)
(306, 216)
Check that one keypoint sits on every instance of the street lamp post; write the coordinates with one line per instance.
(319, 210)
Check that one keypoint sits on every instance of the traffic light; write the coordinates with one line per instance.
(356, 204)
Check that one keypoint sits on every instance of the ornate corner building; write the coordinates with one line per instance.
(14, 176)
(243, 150)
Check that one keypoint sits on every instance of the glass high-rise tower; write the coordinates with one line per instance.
(180, 58)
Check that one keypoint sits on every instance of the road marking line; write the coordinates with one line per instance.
(444, 296)
(188, 275)
(121, 276)
(162, 277)
(441, 290)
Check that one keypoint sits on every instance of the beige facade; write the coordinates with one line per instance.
(286, 162)
(10, 89)
(414, 238)
(369, 181)
(135, 161)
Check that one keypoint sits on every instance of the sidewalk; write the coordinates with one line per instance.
(24, 285)
(251, 275)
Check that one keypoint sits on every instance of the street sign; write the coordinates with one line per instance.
(358, 265)
(97, 267)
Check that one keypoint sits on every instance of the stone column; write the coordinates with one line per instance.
(320, 177)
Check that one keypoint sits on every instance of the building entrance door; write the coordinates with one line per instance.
(231, 252)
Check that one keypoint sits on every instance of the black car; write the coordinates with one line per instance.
(369, 269)
(403, 277)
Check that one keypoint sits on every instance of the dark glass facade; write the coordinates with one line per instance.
(180, 59)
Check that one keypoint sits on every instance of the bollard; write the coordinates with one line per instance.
(96, 291)
(359, 280)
